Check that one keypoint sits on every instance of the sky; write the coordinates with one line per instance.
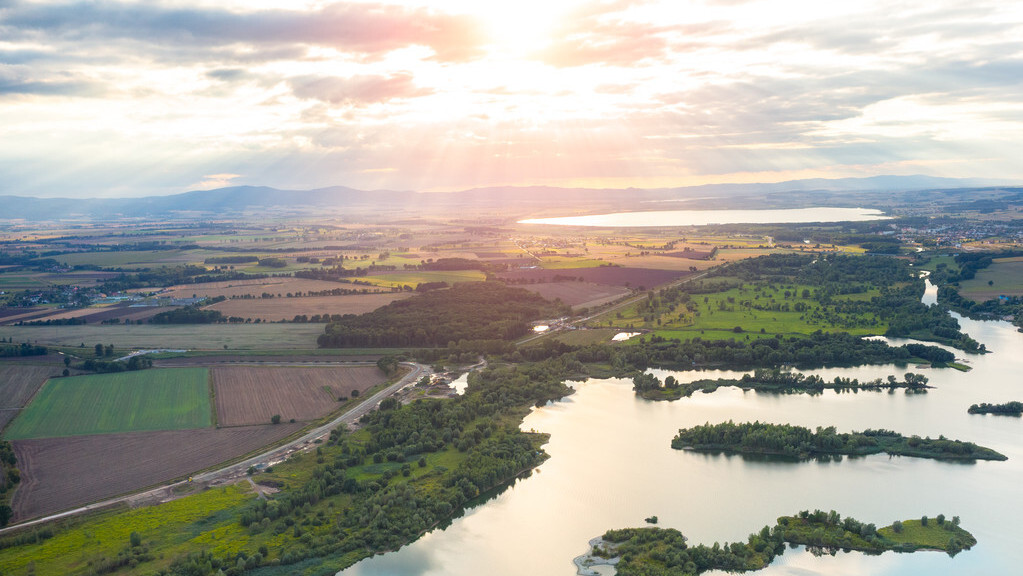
(122, 98)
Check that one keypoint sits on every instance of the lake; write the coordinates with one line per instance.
(706, 217)
(611, 466)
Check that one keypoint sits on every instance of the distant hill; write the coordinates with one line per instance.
(503, 201)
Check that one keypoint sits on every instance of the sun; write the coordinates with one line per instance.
(522, 27)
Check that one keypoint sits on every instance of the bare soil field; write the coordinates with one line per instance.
(274, 309)
(18, 382)
(290, 359)
(253, 394)
(62, 473)
(193, 337)
(613, 275)
(578, 294)
(255, 287)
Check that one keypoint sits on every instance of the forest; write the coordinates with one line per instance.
(466, 311)
(802, 443)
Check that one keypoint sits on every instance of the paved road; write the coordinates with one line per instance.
(236, 470)
(622, 304)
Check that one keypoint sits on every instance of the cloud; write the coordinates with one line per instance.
(357, 90)
(364, 28)
(214, 181)
(21, 80)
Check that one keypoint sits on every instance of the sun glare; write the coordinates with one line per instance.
(522, 27)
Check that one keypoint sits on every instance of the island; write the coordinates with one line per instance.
(664, 551)
(650, 387)
(802, 443)
(1007, 409)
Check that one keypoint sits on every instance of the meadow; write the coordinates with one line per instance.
(169, 399)
(751, 310)
(1003, 277)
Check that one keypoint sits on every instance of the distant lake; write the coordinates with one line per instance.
(707, 217)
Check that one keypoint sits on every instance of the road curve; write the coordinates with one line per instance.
(304, 442)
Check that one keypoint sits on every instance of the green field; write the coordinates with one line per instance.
(167, 399)
(1005, 277)
(784, 309)
(184, 336)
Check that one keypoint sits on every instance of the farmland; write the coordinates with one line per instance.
(1003, 277)
(578, 294)
(252, 395)
(273, 309)
(62, 473)
(168, 399)
(18, 382)
(210, 337)
(613, 275)
(415, 278)
(254, 287)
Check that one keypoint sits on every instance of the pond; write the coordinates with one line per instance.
(611, 466)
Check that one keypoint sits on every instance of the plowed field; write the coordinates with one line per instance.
(17, 385)
(62, 473)
(253, 394)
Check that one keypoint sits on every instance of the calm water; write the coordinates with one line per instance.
(611, 466)
(704, 217)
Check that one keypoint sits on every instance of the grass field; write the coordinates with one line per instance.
(586, 337)
(170, 527)
(170, 399)
(785, 309)
(930, 536)
(1005, 277)
(190, 337)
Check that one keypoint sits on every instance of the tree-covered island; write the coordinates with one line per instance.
(770, 380)
(1008, 409)
(665, 552)
(802, 443)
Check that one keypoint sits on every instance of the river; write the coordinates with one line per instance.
(707, 217)
(612, 465)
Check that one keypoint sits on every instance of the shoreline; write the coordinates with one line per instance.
(584, 563)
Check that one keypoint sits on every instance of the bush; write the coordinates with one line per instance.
(897, 526)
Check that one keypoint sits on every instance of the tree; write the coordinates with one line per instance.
(67, 360)
(275, 419)
(99, 349)
(923, 521)
(941, 519)
(897, 526)
(135, 539)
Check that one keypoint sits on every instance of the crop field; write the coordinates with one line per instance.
(132, 259)
(414, 278)
(586, 337)
(560, 262)
(169, 399)
(256, 287)
(274, 309)
(613, 275)
(18, 382)
(578, 294)
(1005, 277)
(190, 337)
(62, 473)
(252, 395)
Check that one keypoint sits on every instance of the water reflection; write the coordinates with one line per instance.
(612, 466)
